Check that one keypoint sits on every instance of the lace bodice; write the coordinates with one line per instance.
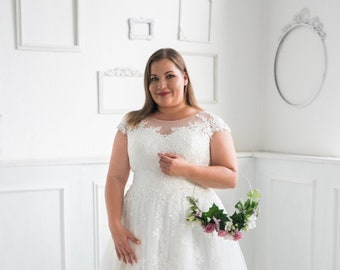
(188, 137)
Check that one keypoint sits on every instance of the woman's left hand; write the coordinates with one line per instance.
(172, 164)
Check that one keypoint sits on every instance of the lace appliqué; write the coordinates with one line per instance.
(205, 122)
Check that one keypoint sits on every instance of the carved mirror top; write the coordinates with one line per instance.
(304, 18)
(301, 60)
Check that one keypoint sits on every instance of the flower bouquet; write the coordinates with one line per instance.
(229, 227)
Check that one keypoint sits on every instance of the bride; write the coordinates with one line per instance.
(175, 149)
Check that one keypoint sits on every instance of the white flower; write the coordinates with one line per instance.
(251, 222)
(228, 225)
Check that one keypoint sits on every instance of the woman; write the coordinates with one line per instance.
(175, 150)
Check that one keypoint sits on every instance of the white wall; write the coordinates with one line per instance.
(48, 100)
(314, 129)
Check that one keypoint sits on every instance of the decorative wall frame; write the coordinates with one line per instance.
(120, 90)
(141, 28)
(301, 60)
(203, 70)
(195, 20)
(48, 25)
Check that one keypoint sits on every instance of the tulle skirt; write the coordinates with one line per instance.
(168, 241)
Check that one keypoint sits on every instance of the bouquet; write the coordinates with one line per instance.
(230, 227)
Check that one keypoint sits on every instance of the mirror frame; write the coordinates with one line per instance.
(302, 19)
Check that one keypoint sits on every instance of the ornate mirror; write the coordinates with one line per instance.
(301, 60)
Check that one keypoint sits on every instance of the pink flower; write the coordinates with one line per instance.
(222, 233)
(209, 228)
(238, 235)
(217, 223)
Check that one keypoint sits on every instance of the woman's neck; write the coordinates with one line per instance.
(174, 113)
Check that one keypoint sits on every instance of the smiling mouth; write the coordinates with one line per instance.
(162, 94)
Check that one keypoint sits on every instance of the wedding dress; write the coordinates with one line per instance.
(156, 205)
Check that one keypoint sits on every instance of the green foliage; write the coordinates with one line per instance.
(238, 221)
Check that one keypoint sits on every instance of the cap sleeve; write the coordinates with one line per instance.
(122, 126)
(217, 124)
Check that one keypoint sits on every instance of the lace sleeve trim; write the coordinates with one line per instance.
(122, 126)
(216, 123)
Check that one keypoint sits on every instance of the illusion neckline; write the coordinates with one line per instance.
(177, 120)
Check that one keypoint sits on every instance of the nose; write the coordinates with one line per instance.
(161, 84)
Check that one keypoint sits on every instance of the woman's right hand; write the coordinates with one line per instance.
(121, 237)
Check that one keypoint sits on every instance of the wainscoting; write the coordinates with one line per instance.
(299, 227)
(53, 213)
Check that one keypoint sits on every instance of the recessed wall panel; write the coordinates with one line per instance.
(291, 224)
(32, 229)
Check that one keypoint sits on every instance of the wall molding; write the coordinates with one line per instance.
(110, 100)
(141, 28)
(296, 157)
(105, 160)
(25, 27)
(195, 23)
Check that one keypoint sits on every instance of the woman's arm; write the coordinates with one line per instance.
(222, 172)
(117, 177)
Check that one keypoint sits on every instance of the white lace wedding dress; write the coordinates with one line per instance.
(156, 206)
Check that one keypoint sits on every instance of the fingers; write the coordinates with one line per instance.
(164, 165)
(126, 254)
(123, 249)
(167, 156)
(170, 164)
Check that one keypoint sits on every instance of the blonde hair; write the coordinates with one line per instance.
(150, 106)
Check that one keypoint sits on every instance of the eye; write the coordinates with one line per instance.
(153, 79)
(169, 76)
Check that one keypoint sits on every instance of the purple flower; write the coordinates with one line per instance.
(209, 228)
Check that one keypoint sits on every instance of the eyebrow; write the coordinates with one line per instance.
(170, 71)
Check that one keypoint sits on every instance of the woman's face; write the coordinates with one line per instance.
(167, 83)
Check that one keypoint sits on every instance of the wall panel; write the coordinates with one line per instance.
(32, 228)
(291, 223)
